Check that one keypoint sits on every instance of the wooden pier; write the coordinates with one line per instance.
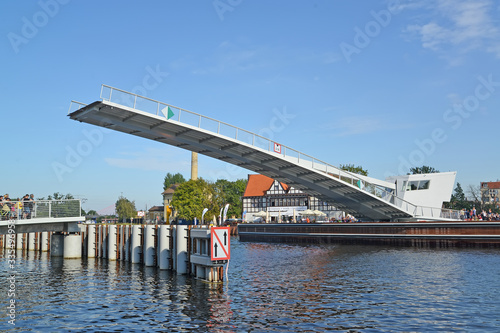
(439, 234)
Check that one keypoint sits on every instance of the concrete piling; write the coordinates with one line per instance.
(136, 244)
(112, 242)
(44, 241)
(149, 245)
(91, 241)
(181, 249)
(72, 247)
(162, 246)
(57, 245)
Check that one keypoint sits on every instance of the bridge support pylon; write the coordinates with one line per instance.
(57, 244)
(72, 248)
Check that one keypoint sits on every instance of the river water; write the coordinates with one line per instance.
(270, 288)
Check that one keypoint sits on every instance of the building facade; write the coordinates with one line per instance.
(168, 194)
(490, 192)
(273, 201)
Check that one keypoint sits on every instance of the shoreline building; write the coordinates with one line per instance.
(489, 193)
(280, 202)
(168, 194)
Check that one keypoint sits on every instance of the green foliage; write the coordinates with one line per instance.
(230, 193)
(458, 200)
(125, 208)
(422, 169)
(172, 179)
(354, 169)
(191, 197)
(59, 207)
(92, 212)
(58, 196)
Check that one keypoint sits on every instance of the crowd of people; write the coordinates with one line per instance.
(474, 215)
(20, 208)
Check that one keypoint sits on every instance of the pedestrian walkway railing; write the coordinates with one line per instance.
(20, 210)
(171, 112)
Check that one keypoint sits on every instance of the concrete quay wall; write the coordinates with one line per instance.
(459, 233)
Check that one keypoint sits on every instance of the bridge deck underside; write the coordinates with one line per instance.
(316, 183)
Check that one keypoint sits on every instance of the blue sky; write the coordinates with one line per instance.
(382, 84)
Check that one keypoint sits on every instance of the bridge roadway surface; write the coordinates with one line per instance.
(54, 224)
(187, 130)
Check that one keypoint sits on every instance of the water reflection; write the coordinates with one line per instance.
(271, 287)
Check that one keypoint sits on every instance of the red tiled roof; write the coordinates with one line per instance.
(492, 185)
(257, 185)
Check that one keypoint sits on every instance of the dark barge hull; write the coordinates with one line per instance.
(438, 234)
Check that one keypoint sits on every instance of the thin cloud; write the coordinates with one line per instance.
(458, 27)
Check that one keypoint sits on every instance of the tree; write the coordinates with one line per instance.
(357, 170)
(474, 193)
(58, 196)
(227, 192)
(91, 212)
(172, 179)
(59, 207)
(191, 197)
(125, 208)
(354, 169)
(422, 169)
(458, 200)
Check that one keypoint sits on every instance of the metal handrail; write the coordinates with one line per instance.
(79, 104)
(20, 209)
(270, 145)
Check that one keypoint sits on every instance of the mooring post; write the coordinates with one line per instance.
(91, 241)
(45, 241)
(136, 244)
(112, 242)
(164, 247)
(149, 245)
(181, 249)
(126, 242)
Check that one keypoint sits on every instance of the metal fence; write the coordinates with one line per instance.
(20, 210)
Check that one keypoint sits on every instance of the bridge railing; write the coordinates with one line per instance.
(74, 105)
(187, 117)
(197, 120)
(20, 210)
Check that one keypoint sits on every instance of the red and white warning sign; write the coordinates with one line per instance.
(219, 243)
(277, 148)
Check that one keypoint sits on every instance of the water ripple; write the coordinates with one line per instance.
(271, 288)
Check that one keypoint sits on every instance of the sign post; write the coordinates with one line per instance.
(219, 243)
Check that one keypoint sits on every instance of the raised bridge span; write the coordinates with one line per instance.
(364, 197)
